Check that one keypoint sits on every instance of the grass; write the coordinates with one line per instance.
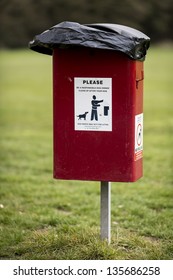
(42, 218)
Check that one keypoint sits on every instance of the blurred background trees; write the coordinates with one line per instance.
(21, 20)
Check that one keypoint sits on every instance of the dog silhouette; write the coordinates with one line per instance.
(82, 116)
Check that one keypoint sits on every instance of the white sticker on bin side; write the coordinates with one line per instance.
(93, 104)
(138, 137)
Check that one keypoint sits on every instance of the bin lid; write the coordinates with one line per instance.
(97, 35)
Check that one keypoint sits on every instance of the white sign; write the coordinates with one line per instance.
(138, 136)
(93, 104)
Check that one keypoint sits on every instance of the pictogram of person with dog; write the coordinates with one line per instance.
(94, 113)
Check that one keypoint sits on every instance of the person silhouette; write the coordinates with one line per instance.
(95, 104)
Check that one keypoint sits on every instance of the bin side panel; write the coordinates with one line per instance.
(138, 164)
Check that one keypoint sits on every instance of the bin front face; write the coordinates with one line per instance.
(98, 120)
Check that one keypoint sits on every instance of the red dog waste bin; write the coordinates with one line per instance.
(97, 100)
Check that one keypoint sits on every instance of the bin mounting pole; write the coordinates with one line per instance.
(105, 210)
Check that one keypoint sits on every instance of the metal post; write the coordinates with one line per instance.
(106, 211)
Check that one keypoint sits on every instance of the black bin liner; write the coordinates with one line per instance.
(99, 36)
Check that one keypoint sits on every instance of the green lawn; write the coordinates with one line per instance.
(43, 218)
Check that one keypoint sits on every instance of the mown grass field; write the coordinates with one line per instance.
(42, 218)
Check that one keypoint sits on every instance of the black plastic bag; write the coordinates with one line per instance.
(100, 36)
